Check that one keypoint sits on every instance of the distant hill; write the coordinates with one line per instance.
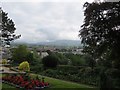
(62, 43)
(54, 43)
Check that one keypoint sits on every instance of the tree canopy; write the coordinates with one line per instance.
(20, 53)
(50, 61)
(100, 32)
(8, 29)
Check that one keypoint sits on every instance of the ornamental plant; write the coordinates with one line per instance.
(4, 61)
(21, 82)
(24, 66)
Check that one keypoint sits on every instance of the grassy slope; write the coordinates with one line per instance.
(57, 83)
(6, 86)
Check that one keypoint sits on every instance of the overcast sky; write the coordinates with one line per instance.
(46, 21)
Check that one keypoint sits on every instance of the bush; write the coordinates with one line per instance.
(24, 66)
(63, 60)
(36, 68)
(50, 61)
(4, 61)
(81, 74)
(76, 60)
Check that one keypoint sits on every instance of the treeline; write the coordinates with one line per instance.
(22, 53)
(68, 66)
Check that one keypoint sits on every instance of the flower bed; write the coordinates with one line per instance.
(20, 82)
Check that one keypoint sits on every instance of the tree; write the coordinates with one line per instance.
(100, 33)
(62, 58)
(76, 60)
(50, 61)
(8, 30)
(33, 58)
(89, 61)
(20, 54)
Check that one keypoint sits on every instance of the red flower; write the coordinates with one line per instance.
(46, 84)
(19, 80)
(41, 84)
(30, 86)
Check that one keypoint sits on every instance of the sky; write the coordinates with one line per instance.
(48, 20)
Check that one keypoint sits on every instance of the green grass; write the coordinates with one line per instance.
(0, 75)
(7, 86)
(57, 83)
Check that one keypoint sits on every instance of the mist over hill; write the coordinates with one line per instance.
(56, 43)
(62, 43)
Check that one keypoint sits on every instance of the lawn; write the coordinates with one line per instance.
(5, 86)
(57, 83)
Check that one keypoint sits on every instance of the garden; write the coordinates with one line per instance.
(23, 78)
(24, 81)
(97, 67)
(13, 82)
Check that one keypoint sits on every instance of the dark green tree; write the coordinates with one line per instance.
(33, 58)
(89, 61)
(50, 61)
(100, 33)
(62, 58)
(20, 54)
(76, 60)
(8, 29)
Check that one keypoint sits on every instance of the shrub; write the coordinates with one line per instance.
(50, 61)
(24, 84)
(4, 61)
(24, 66)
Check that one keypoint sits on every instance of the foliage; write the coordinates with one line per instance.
(69, 58)
(84, 75)
(8, 29)
(37, 68)
(6, 86)
(100, 35)
(50, 61)
(89, 61)
(24, 66)
(29, 57)
(100, 31)
(21, 53)
(76, 60)
(21, 82)
(4, 61)
(63, 60)
(105, 81)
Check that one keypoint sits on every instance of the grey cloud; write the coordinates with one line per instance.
(46, 21)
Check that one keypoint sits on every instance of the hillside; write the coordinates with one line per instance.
(62, 43)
